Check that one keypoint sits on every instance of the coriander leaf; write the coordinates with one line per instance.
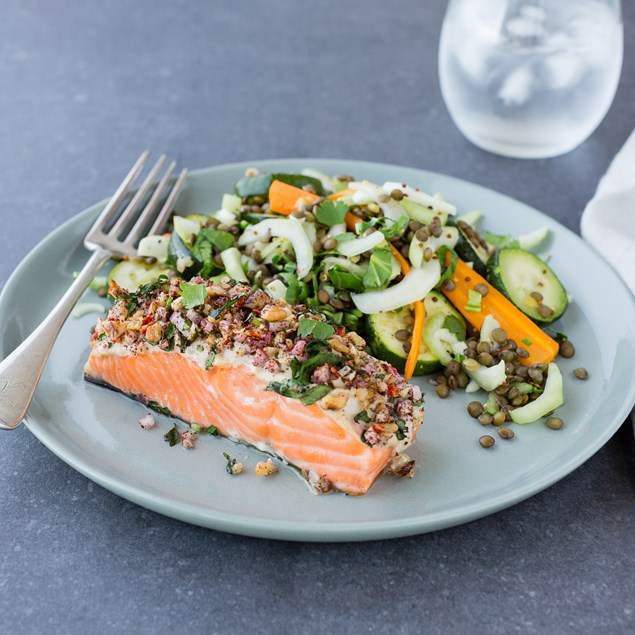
(393, 228)
(345, 279)
(345, 237)
(500, 241)
(159, 408)
(319, 330)
(331, 213)
(193, 294)
(379, 268)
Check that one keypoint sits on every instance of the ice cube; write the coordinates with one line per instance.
(562, 69)
(517, 86)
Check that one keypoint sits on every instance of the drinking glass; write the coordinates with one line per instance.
(530, 78)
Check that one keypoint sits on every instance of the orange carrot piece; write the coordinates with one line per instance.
(419, 308)
(283, 198)
(519, 327)
(417, 329)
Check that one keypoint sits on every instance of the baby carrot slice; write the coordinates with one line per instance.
(417, 329)
(542, 348)
(283, 198)
(419, 308)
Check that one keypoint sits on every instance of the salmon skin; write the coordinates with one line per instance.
(263, 372)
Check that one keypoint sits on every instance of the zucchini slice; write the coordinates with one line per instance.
(385, 345)
(131, 274)
(472, 247)
(436, 302)
(529, 283)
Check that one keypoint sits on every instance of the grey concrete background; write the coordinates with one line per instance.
(84, 87)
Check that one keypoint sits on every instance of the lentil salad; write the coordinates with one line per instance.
(373, 258)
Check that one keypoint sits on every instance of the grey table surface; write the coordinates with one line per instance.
(85, 86)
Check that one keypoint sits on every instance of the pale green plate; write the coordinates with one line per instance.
(96, 431)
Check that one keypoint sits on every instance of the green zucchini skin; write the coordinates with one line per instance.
(517, 273)
(259, 185)
(131, 274)
(178, 249)
(380, 333)
(381, 329)
(471, 247)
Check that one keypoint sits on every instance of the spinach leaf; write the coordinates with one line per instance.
(331, 213)
(379, 268)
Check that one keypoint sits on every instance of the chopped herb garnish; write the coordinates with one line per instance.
(319, 330)
(195, 427)
(209, 362)
(473, 301)
(216, 312)
(212, 430)
(302, 371)
(401, 429)
(101, 337)
(362, 416)
(556, 335)
(193, 294)
(159, 408)
(229, 468)
(526, 341)
(296, 390)
(331, 212)
(379, 269)
(172, 436)
(162, 282)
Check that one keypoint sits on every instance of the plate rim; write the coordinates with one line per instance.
(322, 531)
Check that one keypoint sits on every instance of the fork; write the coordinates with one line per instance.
(20, 372)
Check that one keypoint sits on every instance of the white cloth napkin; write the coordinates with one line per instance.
(608, 221)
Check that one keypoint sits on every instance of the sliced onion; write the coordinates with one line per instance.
(449, 238)
(420, 197)
(415, 285)
(277, 289)
(364, 192)
(358, 246)
(392, 210)
(289, 228)
(488, 378)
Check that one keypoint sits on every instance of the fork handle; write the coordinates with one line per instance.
(21, 370)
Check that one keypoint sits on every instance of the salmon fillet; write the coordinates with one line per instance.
(262, 372)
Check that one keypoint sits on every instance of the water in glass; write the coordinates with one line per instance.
(530, 78)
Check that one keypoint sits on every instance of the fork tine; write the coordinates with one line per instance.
(137, 229)
(118, 196)
(133, 205)
(169, 204)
